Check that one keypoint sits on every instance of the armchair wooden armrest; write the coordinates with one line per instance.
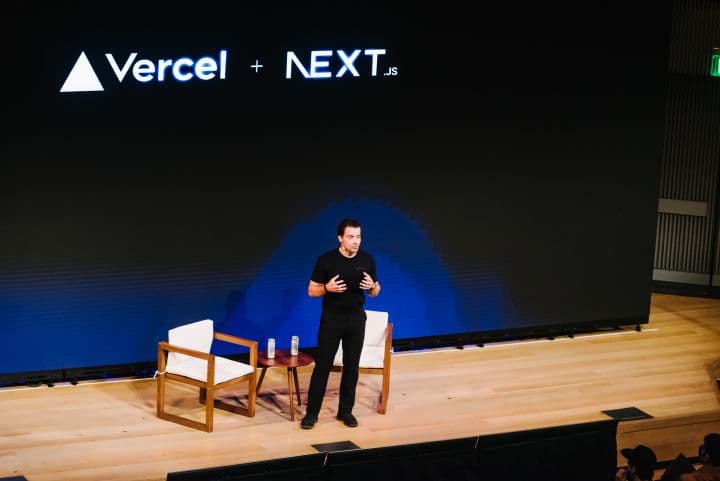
(165, 347)
(240, 341)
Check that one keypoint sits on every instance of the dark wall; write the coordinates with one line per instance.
(686, 249)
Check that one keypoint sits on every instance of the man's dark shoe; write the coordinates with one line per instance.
(348, 419)
(308, 422)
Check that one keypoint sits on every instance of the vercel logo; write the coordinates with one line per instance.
(82, 77)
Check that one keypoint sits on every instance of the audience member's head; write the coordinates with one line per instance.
(709, 451)
(677, 468)
(709, 454)
(641, 461)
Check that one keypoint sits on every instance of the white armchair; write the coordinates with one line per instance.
(376, 353)
(186, 358)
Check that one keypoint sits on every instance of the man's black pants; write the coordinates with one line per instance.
(351, 331)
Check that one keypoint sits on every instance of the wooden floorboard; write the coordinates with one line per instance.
(108, 430)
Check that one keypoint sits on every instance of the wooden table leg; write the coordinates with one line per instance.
(297, 386)
(262, 376)
(290, 393)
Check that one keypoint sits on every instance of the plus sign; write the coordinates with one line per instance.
(257, 66)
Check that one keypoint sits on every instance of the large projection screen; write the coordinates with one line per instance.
(502, 162)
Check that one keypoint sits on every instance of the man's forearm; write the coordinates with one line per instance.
(316, 290)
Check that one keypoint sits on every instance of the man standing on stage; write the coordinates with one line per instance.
(341, 277)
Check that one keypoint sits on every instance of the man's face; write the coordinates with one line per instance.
(350, 240)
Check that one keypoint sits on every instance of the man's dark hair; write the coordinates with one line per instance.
(346, 223)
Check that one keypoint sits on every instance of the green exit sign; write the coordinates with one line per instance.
(715, 64)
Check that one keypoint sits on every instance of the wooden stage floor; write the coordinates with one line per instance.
(108, 430)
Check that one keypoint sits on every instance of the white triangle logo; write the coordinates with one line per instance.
(82, 77)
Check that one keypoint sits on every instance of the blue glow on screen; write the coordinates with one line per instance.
(60, 316)
(416, 289)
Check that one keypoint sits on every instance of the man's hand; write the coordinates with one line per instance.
(336, 285)
(367, 283)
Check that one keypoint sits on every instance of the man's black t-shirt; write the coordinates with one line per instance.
(351, 271)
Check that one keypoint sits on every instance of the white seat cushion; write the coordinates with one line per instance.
(225, 369)
(198, 336)
(373, 351)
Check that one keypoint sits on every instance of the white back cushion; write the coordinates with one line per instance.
(375, 328)
(373, 352)
(197, 336)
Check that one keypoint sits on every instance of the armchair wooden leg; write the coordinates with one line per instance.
(161, 362)
(382, 405)
(160, 395)
(161, 382)
(203, 395)
(209, 408)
